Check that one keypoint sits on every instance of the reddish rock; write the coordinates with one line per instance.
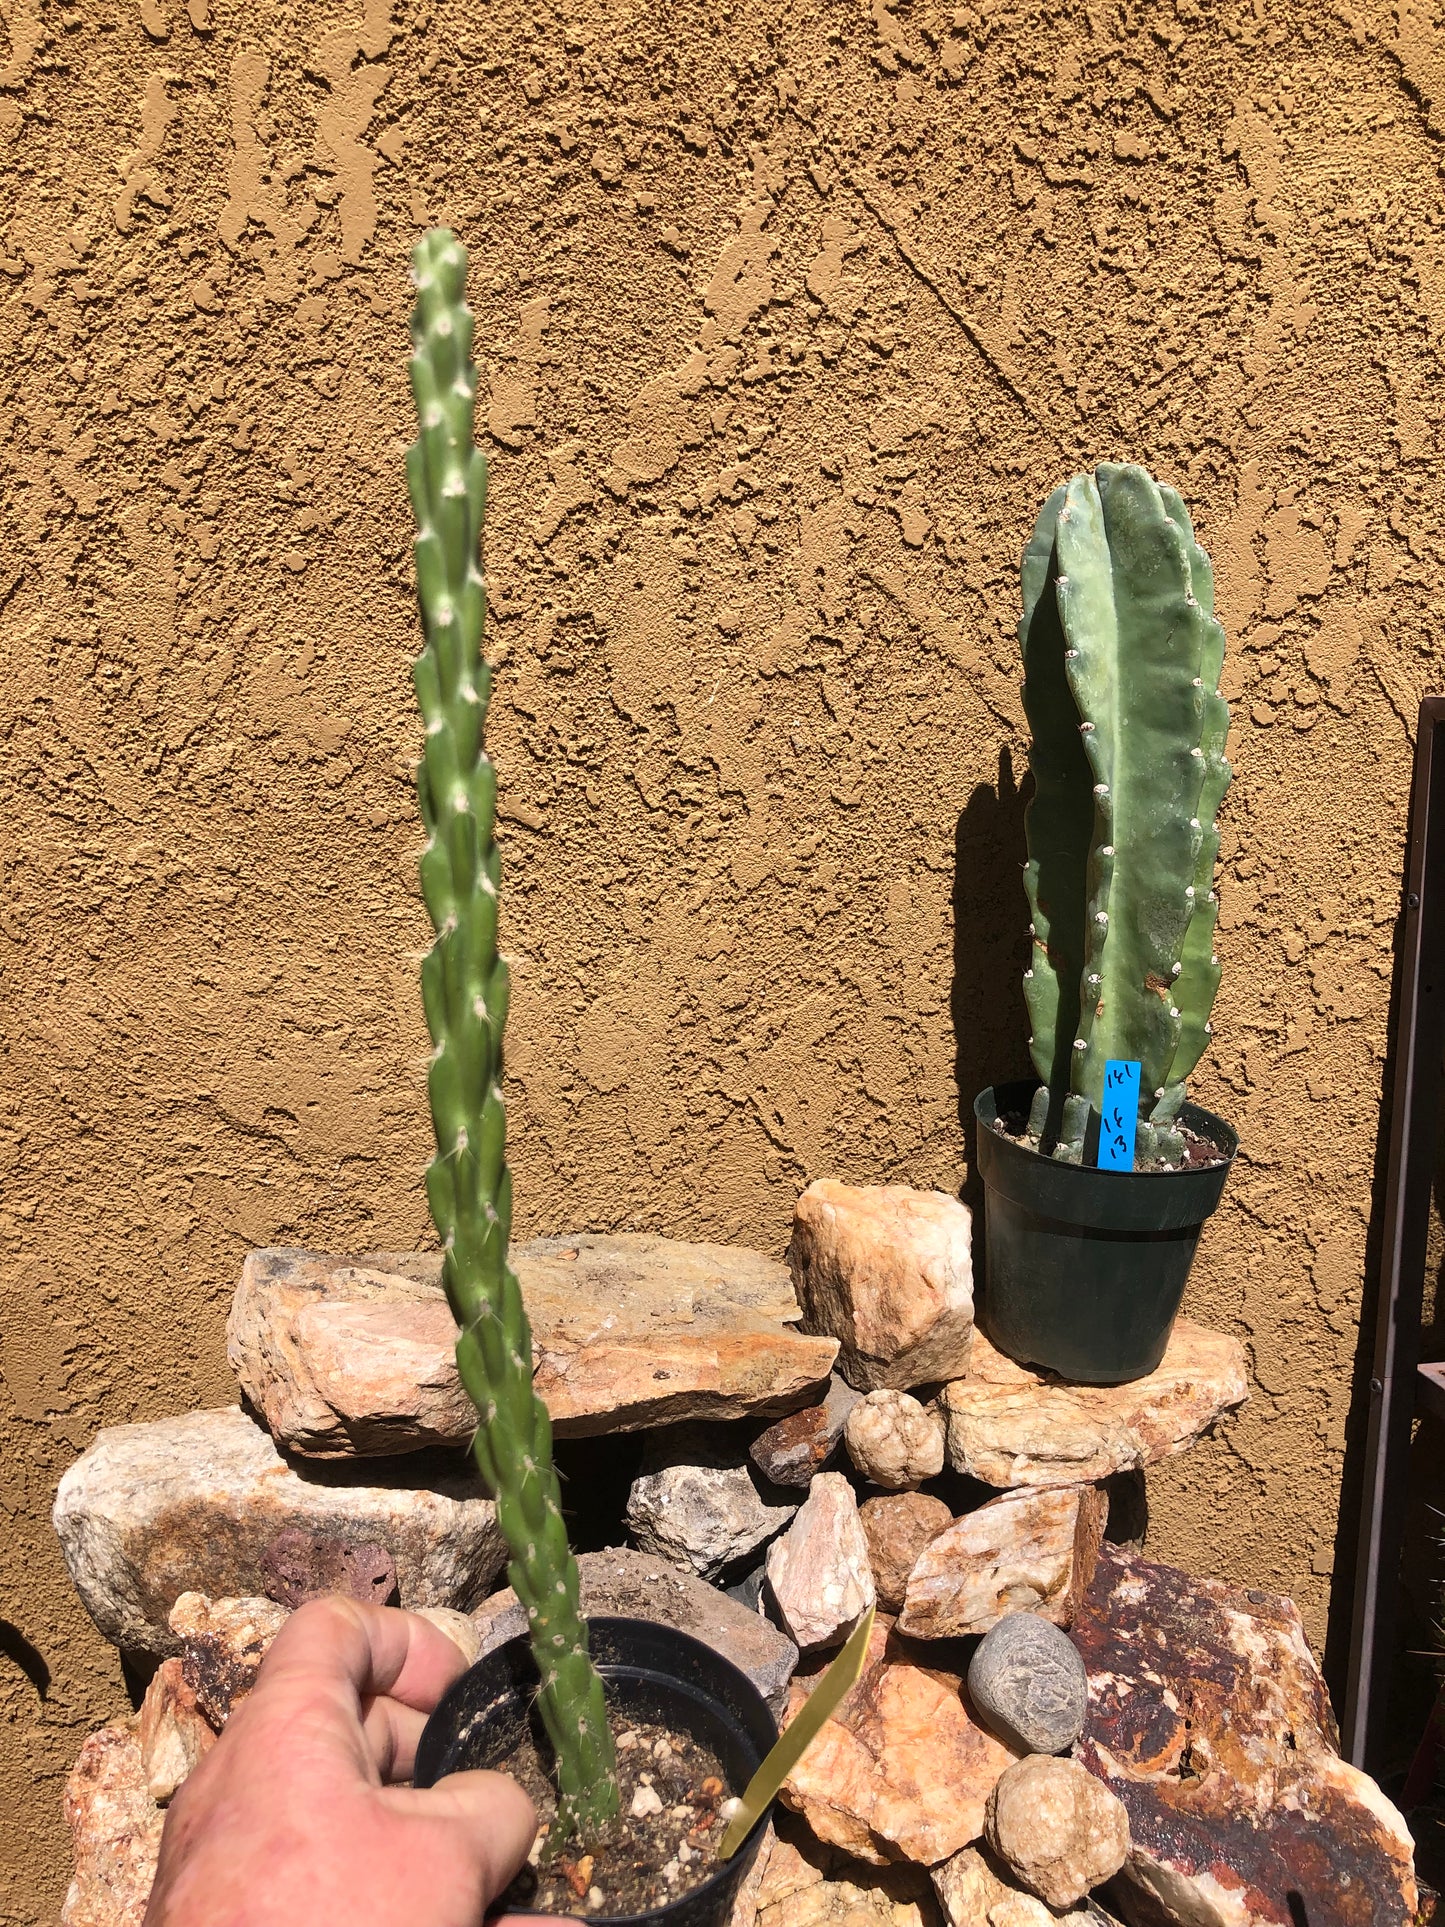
(790, 1452)
(1210, 1720)
(897, 1526)
(1026, 1552)
(298, 1566)
(902, 1770)
(354, 1357)
(223, 1642)
(173, 1733)
(115, 1832)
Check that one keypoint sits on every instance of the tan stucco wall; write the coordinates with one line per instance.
(789, 316)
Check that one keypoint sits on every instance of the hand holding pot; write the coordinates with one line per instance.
(294, 1814)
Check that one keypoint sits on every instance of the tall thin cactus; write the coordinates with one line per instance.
(465, 993)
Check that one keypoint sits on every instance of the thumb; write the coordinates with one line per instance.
(489, 1815)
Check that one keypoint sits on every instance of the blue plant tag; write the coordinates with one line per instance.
(1120, 1116)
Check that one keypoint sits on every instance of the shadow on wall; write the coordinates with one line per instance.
(990, 949)
(28, 1657)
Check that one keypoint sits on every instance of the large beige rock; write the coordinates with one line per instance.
(115, 1832)
(819, 1571)
(1059, 1830)
(347, 1357)
(173, 1733)
(1209, 1718)
(894, 1441)
(902, 1770)
(1010, 1426)
(803, 1883)
(897, 1526)
(636, 1585)
(1030, 1551)
(888, 1271)
(194, 1503)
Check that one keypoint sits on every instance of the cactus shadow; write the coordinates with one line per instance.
(990, 948)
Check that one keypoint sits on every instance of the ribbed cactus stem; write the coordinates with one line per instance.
(465, 991)
(1122, 657)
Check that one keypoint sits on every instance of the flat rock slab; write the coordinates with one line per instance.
(1010, 1426)
(1209, 1719)
(194, 1503)
(903, 1770)
(353, 1357)
(638, 1586)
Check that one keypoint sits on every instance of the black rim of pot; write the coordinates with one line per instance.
(651, 1658)
(1081, 1193)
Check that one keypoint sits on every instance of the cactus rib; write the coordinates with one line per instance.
(465, 995)
(1059, 822)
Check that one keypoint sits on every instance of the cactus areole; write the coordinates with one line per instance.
(464, 990)
(1122, 657)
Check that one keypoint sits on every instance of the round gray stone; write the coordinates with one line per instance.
(1028, 1682)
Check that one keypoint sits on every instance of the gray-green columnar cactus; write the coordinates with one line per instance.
(465, 992)
(1122, 657)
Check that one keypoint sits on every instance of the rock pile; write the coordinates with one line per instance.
(811, 1445)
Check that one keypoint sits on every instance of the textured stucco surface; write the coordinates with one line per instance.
(789, 316)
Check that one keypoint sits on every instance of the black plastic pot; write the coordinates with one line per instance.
(1084, 1269)
(651, 1672)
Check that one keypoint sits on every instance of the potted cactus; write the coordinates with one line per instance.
(556, 1676)
(1085, 1266)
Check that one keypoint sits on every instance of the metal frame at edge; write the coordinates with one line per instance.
(1414, 1121)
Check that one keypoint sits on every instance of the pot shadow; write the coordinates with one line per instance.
(990, 949)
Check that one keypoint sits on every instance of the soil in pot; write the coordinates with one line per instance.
(675, 1803)
(1198, 1151)
(659, 1684)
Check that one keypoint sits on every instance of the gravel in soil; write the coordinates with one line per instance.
(675, 1805)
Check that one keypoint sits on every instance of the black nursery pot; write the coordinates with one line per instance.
(650, 1672)
(1084, 1269)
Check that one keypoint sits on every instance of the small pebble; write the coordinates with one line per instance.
(728, 1808)
(680, 1813)
(626, 1740)
(594, 1896)
(646, 1778)
(672, 1871)
(684, 1853)
(662, 1751)
(644, 1803)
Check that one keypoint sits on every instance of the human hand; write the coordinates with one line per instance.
(292, 1817)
